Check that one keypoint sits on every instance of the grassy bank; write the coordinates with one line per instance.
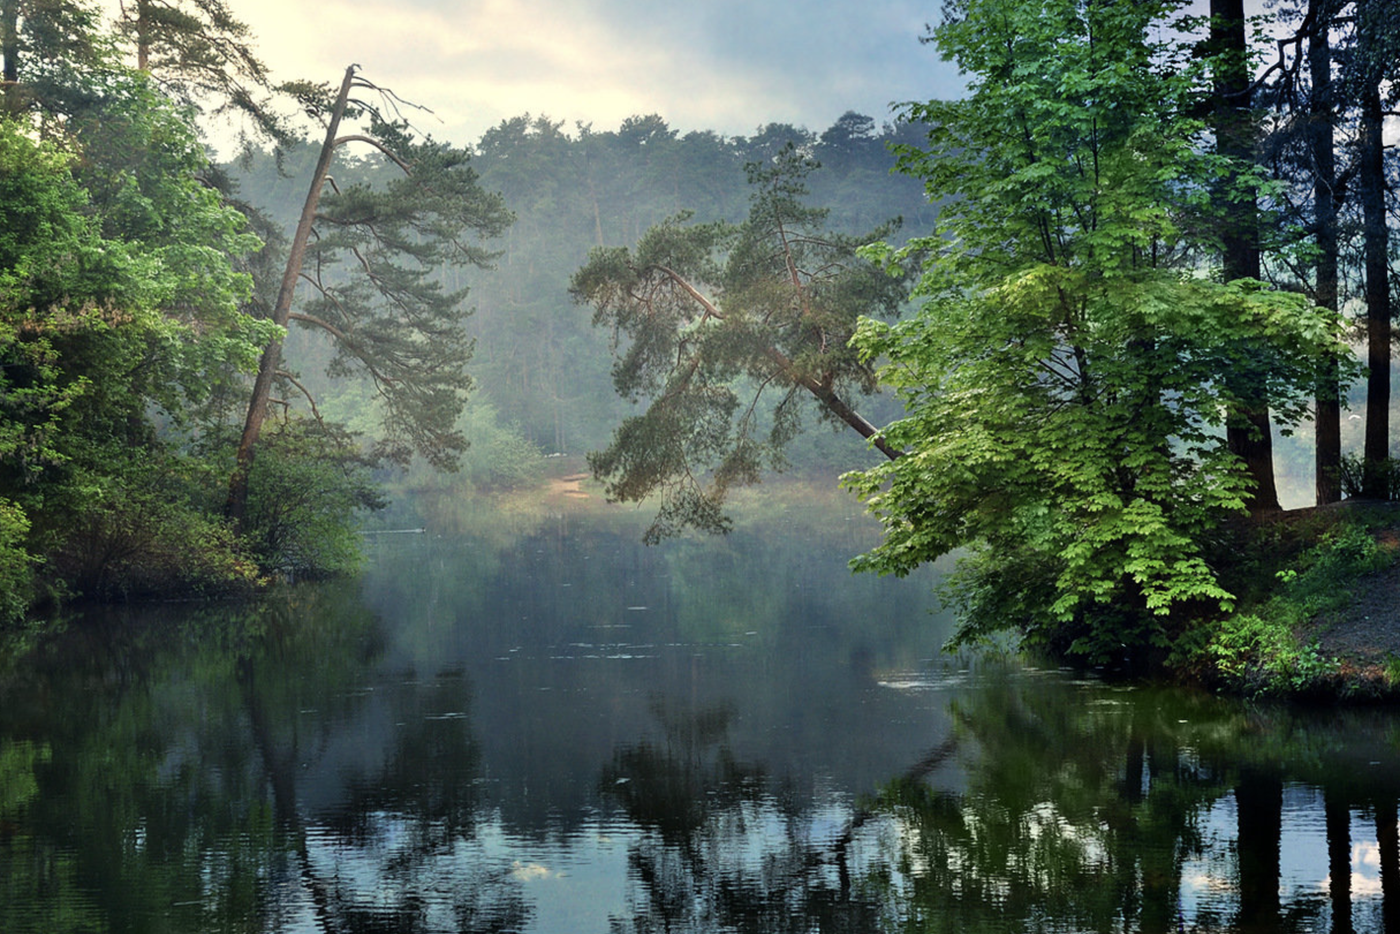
(1317, 615)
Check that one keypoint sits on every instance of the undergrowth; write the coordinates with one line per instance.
(1257, 649)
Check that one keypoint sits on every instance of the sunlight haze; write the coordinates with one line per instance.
(722, 65)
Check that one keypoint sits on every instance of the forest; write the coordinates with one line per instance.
(1089, 325)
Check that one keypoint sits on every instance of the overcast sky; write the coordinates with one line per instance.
(724, 65)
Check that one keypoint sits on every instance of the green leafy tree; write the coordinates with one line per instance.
(100, 338)
(1064, 379)
(16, 563)
(714, 317)
(308, 484)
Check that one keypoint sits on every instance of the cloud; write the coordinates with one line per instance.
(724, 65)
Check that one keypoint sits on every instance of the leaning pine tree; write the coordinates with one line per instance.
(368, 258)
(1063, 378)
(729, 332)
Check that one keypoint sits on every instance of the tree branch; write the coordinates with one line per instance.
(371, 141)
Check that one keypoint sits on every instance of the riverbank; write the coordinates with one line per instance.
(1318, 617)
(1363, 636)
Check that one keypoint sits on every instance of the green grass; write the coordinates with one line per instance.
(1257, 650)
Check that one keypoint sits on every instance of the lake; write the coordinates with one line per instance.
(537, 724)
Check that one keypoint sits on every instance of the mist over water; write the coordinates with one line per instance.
(542, 725)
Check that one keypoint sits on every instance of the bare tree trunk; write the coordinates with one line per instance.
(267, 366)
(834, 404)
(1328, 409)
(1248, 431)
(1371, 178)
(9, 49)
(143, 38)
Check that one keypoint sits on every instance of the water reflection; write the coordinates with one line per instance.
(1092, 809)
(563, 731)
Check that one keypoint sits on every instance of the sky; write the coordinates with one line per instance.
(730, 66)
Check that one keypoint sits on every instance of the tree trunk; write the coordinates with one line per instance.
(9, 49)
(834, 404)
(1388, 843)
(1371, 179)
(1248, 431)
(267, 366)
(1327, 449)
(143, 38)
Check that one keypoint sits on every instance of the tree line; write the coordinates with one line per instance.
(1155, 246)
(209, 370)
(1070, 322)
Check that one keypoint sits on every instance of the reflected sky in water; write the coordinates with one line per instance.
(544, 726)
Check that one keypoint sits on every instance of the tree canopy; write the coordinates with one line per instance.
(371, 257)
(99, 334)
(711, 317)
(1065, 377)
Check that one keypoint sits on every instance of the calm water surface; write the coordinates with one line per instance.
(543, 726)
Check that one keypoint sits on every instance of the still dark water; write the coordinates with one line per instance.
(543, 726)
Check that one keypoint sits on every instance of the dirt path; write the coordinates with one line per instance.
(1365, 636)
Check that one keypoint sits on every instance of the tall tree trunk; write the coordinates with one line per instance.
(143, 36)
(281, 312)
(1388, 843)
(1248, 431)
(1371, 179)
(9, 50)
(1328, 410)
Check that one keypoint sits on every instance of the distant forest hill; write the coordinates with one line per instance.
(540, 365)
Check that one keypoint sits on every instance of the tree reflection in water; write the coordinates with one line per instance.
(283, 768)
(1074, 806)
(717, 850)
(396, 851)
(1091, 809)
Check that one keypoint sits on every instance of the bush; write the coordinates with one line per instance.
(16, 564)
(136, 538)
(500, 457)
(306, 490)
(1259, 652)
(1354, 476)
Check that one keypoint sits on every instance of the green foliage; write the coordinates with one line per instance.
(137, 530)
(16, 571)
(547, 371)
(711, 317)
(1259, 652)
(118, 312)
(306, 491)
(499, 458)
(1392, 669)
(375, 267)
(1259, 655)
(1063, 380)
